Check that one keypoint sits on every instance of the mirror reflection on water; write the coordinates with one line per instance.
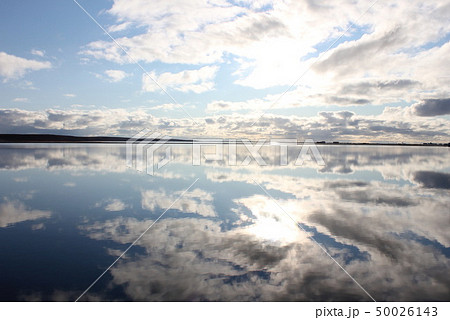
(67, 211)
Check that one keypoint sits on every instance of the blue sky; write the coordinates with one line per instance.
(360, 71)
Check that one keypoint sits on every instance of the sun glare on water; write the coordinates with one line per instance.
(272, 230)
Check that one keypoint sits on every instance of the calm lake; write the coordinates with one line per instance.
(68, 211)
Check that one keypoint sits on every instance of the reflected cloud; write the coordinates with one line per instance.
(195, 260)
(195, 201)
(63, 157)
(391, 162)
(38, 226)
(342, 224)
(13, 211)
(70, 184)
(431, 179)
(112, 205)
(375, 198)
(192, 259)
(376, 230)
(381, 212)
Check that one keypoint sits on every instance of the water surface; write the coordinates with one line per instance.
(67, 211)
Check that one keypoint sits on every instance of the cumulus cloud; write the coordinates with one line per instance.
(432, 107)
(116, 75)
(197, 81)
(12, 67)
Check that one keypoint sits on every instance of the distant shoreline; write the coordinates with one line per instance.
(53, 138)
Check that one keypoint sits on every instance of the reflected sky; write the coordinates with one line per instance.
(68, 211)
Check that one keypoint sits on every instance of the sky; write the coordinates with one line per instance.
(346, 70)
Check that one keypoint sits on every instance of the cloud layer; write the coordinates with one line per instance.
(394, 124)
(276, 43)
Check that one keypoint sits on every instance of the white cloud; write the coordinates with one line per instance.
(20, 100)
(116, 75)
(119, 27)
(70, 95)
(39, 53)
(275, 43)
(197, 81)
(175, 37)
(166, 106)
(12, 67)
